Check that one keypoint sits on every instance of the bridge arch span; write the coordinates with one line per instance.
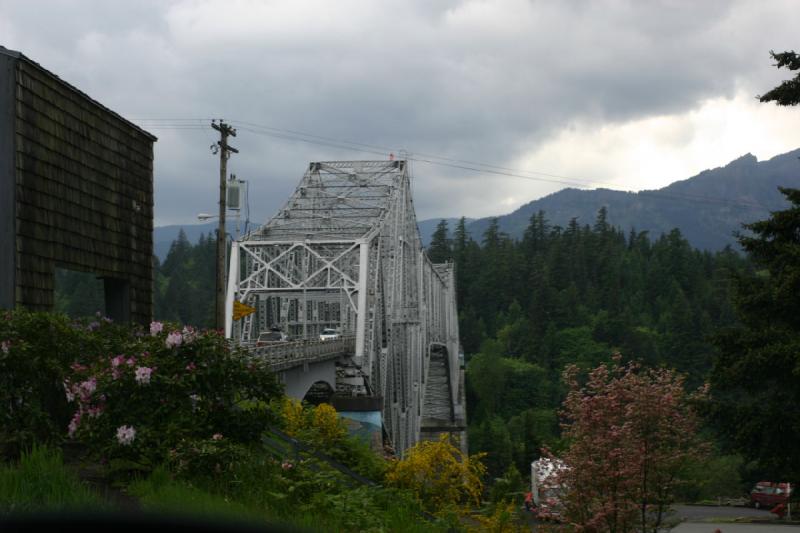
(299, 380)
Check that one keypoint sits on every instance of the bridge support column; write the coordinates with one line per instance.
(233, 283)
(361, 320)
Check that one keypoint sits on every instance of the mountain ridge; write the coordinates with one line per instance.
(707, 208)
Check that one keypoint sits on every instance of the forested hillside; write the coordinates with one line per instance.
(574, 295)
(185, 284)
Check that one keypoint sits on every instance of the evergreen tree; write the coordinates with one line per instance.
(788, 92)
(754, 383)
(440, 249)
(178, 254)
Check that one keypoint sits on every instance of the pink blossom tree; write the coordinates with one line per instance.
(630, 433)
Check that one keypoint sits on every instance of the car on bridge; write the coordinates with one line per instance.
(272, 336)
(329, 334)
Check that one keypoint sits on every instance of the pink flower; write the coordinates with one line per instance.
(95, 411)
(74, 423)
(156, 328)
(131, 361)
(191, 367)
(216, 436)
(68, 391)
(116, 362)
(125, 435)
(174, 339)
(77, 367)
(143, 375)
(86, 388)
(189, 334)
(286, 465)
(4, 346)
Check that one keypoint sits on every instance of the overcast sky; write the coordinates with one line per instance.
(626, 95)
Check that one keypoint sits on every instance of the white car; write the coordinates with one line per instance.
(328, 334)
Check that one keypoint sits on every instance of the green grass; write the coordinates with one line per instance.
(41, 482)
(159, 493)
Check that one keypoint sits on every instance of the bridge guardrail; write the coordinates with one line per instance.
(284, 355)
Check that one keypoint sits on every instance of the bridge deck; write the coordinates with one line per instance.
(285, 355)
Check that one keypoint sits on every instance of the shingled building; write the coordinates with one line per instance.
(76, 192)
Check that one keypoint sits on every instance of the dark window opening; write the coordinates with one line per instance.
(78, 294)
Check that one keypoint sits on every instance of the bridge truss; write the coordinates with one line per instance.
(345, 253)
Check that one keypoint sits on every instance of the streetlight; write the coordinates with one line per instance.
(205, 216)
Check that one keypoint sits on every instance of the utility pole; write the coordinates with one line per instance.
(224, 151)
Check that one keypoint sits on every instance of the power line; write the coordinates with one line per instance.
(311, 138)
(484, 168)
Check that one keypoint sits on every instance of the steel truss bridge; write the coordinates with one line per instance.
(345, 253)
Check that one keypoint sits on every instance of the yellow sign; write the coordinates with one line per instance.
(241, 310)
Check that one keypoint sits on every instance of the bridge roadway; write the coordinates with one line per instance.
(282, 356)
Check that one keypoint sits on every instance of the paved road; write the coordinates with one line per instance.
(696, 513)
(699, 519)
(700, 527)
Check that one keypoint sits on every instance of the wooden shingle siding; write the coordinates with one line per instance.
(83, 194)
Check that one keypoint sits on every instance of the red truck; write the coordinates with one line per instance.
(768, 494)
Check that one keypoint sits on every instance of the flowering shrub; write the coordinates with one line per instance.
(318, 424)
(36, 350)
(442, 478)
(643, 425)
(167, 389)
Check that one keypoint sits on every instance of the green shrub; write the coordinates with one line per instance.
(718, 477)
(41, 482)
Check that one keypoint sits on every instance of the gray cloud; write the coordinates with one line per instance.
(485, 81)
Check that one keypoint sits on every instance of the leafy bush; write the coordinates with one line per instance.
(718, 477)
(167, 391)
(41, 481)
(505, 518)
(509, 487)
